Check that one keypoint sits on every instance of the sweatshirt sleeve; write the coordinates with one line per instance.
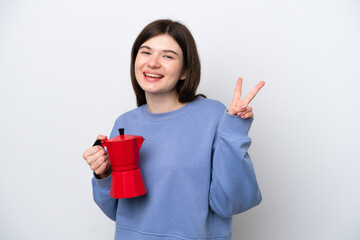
(101, 194)
(101, 188)
(234, 188)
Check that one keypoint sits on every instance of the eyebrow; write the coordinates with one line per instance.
(165, 50)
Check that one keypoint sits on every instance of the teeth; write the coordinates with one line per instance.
(153, 75)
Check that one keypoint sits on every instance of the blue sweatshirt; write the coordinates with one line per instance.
(196, 169)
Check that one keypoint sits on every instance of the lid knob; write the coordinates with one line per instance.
(121, 131)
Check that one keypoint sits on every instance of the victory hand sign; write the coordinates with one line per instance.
(240, 107)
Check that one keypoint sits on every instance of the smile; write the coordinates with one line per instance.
(153, 75)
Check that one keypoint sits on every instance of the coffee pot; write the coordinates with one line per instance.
(126, 178)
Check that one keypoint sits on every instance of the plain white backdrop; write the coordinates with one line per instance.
(64, 71)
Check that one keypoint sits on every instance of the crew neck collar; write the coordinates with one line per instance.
(168, 115)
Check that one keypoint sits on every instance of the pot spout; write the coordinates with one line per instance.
(140, 142)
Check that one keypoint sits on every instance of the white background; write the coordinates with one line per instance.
(64, 70)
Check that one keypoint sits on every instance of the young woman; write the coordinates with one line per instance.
(194, 160)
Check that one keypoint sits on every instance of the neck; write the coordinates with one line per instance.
(158, 103)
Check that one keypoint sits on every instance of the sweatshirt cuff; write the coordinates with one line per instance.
(234, 125)
(102, 183)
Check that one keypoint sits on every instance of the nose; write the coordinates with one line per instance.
(154, 62)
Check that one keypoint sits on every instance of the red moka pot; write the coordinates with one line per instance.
(126, 178)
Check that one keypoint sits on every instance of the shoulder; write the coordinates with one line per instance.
(211, 105)
(207, 110)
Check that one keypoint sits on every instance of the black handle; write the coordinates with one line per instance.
(97, 143)
(121, 131)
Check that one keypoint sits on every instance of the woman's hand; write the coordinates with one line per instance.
(98, 160)
(240, 107)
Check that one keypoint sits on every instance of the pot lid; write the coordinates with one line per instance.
(123, 137)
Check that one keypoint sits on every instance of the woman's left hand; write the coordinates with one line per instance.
(240, 107)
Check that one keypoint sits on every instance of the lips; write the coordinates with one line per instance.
(152, 76)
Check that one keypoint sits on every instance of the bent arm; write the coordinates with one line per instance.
(234, 188)
(101, 194)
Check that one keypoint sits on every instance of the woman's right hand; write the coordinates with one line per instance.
(98, 160)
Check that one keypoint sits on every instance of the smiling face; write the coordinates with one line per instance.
(158, 65)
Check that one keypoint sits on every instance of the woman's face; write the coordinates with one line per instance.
(158, 65)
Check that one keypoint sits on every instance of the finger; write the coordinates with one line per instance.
(246, 115)
(253, 92)
(237, 108)
(101, 153)
(102, 168)
(90, 160)
(245, 110)
(238, 88)
(249, 115)
(91, 151)
(248, 109)
(94, 149)
(100, 137)
(99, 161)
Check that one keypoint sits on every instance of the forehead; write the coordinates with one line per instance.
(163, 42)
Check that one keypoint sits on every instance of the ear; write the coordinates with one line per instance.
(183, 76)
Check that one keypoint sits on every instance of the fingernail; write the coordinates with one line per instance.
(244, 106)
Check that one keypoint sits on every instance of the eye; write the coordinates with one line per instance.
(145, 52)
(168, 57)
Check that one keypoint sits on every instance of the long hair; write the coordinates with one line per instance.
(186, 89)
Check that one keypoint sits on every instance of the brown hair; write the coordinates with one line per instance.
(191, 64)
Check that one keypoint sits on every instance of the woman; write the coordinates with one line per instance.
(194, 160)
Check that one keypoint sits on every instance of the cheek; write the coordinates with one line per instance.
(137, 64)
(172, 68)
(178, 69)
(137, 68)
(179, 66)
